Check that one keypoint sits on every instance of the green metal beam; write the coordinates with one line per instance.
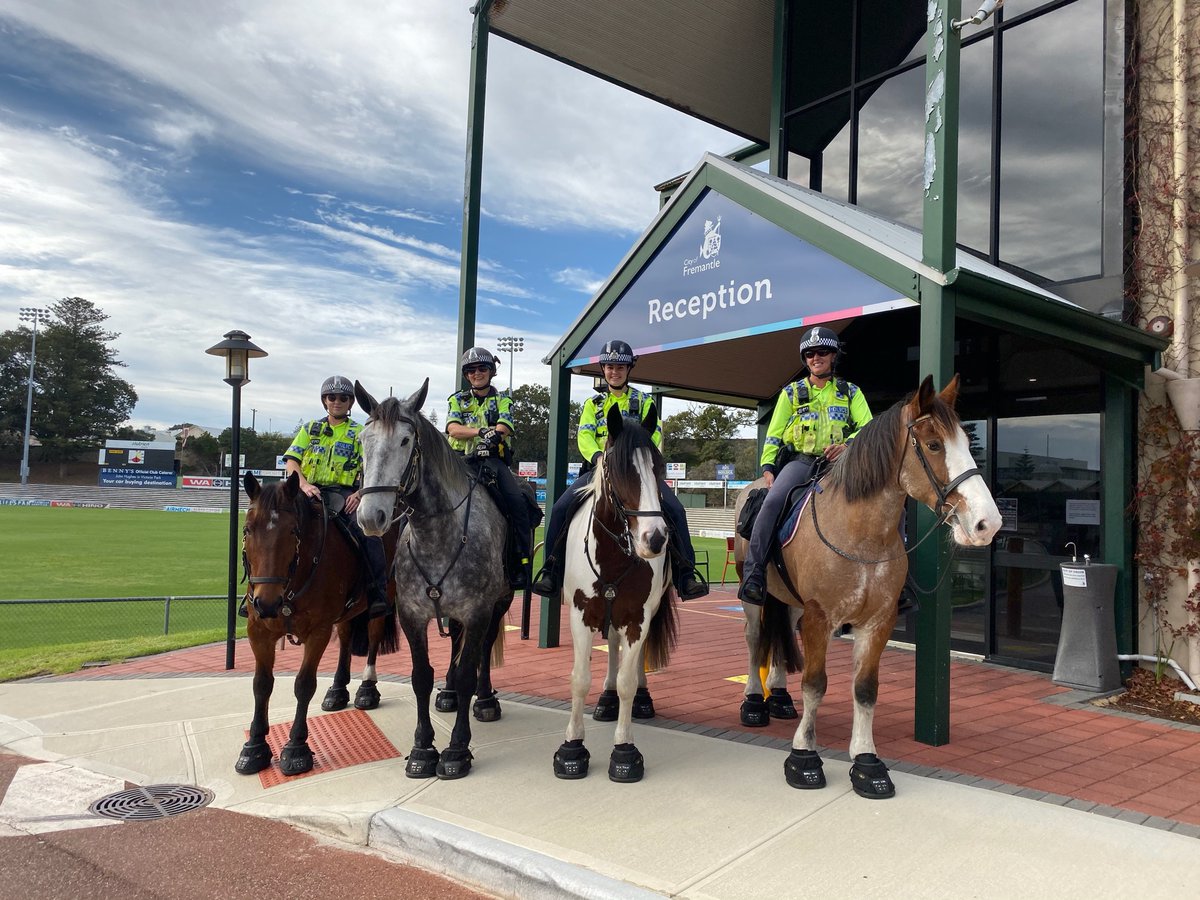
(940, 209)
(1117, 474)
(469, 265)
(556, 480)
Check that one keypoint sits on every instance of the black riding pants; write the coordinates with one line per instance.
(372, 546)
(797, 472)
(514, 501)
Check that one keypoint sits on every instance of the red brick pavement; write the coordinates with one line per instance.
(1003, 726)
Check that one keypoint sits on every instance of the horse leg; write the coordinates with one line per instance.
(256, 754)
(296, 757)
(608, 704)
(779, 702)
(643, 703)
(447, 697)
(626, 764)
(338, 697)
(753, 713)
(423, 758)
(455, 761)
(868, 775)
(487, 707)
(571, 759)
(802, 769)
(367, 695)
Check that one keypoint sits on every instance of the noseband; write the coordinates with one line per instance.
(943, 491)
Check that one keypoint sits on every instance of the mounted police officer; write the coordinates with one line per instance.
(327, 455)
(479, 425)
(815, 418)
(616, 362)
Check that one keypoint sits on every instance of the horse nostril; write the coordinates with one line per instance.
(657, 540)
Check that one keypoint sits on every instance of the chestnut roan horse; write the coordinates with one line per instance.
(616, 581)
(449, 565)
(847, 562)
(305, 579)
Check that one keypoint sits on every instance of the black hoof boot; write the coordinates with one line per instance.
(643, 705)
(754, 712)
(446, 701)
(455, 763)
(254, 758)
(486, 709)
(869, 778)
(780, 705)
(367, 696)
(335, 698)
(295, 759)
(626, 764)
(571, 760)
(422, 762)
(608, 704)
(802, 769)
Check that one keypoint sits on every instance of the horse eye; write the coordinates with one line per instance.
(934, 446)
(404, 443)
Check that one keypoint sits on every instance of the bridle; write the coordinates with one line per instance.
(943, 491)
(408, 478)
(289, 597)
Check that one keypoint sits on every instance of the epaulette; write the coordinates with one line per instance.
(316, 427)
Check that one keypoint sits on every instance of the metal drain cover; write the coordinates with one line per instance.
(154, 801)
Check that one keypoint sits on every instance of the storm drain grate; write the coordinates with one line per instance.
(155, 801)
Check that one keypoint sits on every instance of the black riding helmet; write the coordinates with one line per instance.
(820, 338)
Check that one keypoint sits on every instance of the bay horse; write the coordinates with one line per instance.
(449, 565)
(617, 581)
(305, 579)
(847, 562)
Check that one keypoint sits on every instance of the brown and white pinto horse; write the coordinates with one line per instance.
(617, 581)
(847, 562)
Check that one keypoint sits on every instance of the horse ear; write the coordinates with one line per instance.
(616, 422)
(291, 484)
(250, 483)
(650, 423)
(920, 401)
(417, 400)
(949, 393)
(365, 401)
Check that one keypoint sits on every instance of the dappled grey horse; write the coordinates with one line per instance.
(449, 565)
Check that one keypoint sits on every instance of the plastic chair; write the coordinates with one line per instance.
(730, 560)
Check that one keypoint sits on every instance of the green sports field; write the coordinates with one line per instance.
(64, 553)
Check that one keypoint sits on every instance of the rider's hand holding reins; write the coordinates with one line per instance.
(351, 504)
(833, 451)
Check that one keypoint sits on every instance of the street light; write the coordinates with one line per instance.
(238, 351)
(512, 345)
(36, 315)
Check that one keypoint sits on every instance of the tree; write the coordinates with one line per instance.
(531, 419)
(260, 449)
(78, 398)
(709, 429)
(1023, 468)
(130, 433)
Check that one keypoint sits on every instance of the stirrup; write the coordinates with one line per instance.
(752, 590)
(546, 584)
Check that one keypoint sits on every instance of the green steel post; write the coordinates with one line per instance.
(778, 91)
(1116, 525)
(556, 482)
(469, 266)
(939, 221)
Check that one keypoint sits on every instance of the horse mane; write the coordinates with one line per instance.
(443, 462)
(869, 463)
(620, 455)
(273, 496)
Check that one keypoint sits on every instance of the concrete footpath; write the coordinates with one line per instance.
(713, 817)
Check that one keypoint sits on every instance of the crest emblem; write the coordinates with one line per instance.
(711, 245)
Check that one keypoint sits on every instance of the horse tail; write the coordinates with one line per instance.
(390, 640)
(498, 647)
(663, 634)
(360, 635)
(776, 637)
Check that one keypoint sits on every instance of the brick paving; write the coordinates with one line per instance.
(1009, 726)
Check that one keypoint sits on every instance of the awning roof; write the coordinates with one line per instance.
(711, 59)
(822, 261)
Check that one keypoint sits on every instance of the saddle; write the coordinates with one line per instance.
(487, 478)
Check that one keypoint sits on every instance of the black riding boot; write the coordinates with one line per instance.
(377, 597)
(549, 580)
(907, 601)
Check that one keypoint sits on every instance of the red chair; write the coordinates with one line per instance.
(729, 558)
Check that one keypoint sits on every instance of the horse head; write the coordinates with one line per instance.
(940, 472)
(628, 480)
(271, 540)
(392, 450)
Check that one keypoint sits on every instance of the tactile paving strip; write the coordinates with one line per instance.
(337, 740)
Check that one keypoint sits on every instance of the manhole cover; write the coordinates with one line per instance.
(155, 801)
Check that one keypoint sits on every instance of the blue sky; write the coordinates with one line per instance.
(295, 169)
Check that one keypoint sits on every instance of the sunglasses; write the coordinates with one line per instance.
(475, 370)
(809, 354)
(340, 398)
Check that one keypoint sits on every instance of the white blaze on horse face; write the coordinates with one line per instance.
(273, 520)
(651, 531)
(976, 519)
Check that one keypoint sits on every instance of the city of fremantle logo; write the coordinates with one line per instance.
(711, 245)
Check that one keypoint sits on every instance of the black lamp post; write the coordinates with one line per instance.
(238, 351)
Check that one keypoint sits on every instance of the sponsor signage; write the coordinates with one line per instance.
(527, 469)
(140, 477)
(199, 509)
(241, 460)
(145, 457)
(80, 504)
(214, 481)
(725, 272)
(22, 501)
(676, 470)
(541, 495)
(725, 471)
(573, 469)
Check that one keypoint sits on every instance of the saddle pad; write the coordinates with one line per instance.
(791, 522)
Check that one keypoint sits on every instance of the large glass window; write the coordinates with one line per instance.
(891, 141)
(975, 147)
(1051, 156)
